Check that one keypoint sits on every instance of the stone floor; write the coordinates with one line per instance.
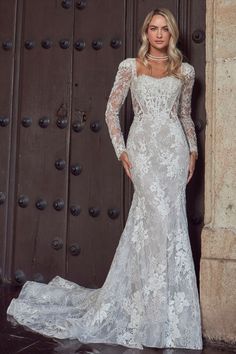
(16, 339)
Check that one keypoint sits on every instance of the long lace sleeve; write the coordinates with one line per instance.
(185, 109)
(115, 101)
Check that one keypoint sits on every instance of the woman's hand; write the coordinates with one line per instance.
(191, 167)
(126, 163)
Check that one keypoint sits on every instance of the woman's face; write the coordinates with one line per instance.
(158, 34)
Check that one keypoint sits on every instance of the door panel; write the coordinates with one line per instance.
(7, 41)
(100, 184)
(195, 190)
(45, 100)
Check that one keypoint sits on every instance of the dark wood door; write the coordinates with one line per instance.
(98, 189)
(64, 196)
(7, 40)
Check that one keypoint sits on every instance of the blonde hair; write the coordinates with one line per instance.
(174, 54)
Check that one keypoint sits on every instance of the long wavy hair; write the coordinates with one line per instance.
(174, 54)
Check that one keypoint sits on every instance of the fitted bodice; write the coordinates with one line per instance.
(153, 97)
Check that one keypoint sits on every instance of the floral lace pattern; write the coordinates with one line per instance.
(176, 102)
(150, 296)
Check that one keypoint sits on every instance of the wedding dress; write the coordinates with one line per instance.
(150, 296)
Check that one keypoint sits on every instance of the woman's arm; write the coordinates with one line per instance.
(115, 101)
(185, 109)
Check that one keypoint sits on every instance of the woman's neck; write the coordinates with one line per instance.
(157, 52)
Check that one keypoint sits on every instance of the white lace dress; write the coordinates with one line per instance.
(150, 295)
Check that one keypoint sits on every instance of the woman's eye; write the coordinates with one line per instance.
(166, 29)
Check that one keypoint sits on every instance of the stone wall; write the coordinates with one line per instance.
(218, 258)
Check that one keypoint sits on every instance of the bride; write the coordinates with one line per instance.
(150, 296)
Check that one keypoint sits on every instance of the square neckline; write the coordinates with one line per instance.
(153, 77)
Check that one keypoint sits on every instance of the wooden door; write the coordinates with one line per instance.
(64, 197)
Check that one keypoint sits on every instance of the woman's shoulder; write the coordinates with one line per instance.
(188, 70)
(127, 63)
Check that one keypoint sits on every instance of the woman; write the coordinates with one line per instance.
(150, 295)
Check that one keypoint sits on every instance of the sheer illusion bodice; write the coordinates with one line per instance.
(150, 296)
(153, 96)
